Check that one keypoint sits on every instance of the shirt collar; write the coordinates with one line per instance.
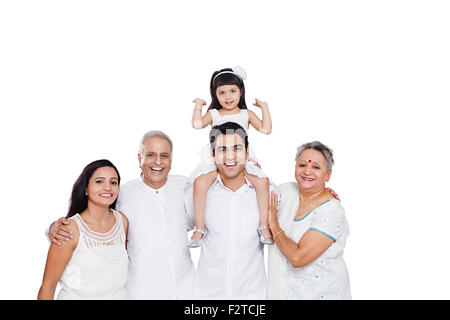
(141, 177)
(247, 186)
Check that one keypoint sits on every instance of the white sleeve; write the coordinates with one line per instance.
(330, 220)
(189, 205)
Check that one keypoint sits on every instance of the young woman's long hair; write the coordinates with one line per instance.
(79, 199)
(222, 80)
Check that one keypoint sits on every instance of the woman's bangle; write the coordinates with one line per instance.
(278, 233)
(197, 109)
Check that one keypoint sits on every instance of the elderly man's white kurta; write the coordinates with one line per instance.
(160, 264)
(231, 263)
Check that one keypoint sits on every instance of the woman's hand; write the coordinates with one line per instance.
(260, 104)
(272, 216)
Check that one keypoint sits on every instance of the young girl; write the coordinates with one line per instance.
(228, 104)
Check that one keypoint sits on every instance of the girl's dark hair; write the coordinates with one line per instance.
(79, 200)
(222, 80)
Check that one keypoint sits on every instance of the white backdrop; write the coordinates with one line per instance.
(83, 80)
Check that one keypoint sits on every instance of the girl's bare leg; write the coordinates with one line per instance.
(262, 194)
(201, 186)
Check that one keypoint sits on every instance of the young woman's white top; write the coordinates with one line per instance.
(99, 264)
(327, 276)
(208, 165)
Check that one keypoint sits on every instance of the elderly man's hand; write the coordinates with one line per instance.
(59, 231)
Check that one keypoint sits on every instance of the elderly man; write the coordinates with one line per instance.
(160, 265)
(231, 264)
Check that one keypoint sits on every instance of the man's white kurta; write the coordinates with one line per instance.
(160, 264)
(231, 263)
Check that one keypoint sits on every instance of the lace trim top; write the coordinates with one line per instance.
(109, 245)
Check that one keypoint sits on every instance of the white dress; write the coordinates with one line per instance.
(324, 278)
(99, 264)
(208, 165)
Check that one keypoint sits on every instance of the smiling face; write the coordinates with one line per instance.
(230, 155)
(103, 186)
(228, 96)
(311, 172)
(155, 162)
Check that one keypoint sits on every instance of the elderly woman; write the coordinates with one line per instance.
(310, 233)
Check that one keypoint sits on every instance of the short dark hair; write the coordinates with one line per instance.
(78, 199)
(222, 80)
(227, 128)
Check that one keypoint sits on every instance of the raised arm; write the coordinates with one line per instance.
(264, 125)
(199, 121)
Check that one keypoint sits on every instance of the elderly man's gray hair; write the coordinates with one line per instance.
(151, 134)
(318, 146)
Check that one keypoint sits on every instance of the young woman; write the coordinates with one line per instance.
(94, 263)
